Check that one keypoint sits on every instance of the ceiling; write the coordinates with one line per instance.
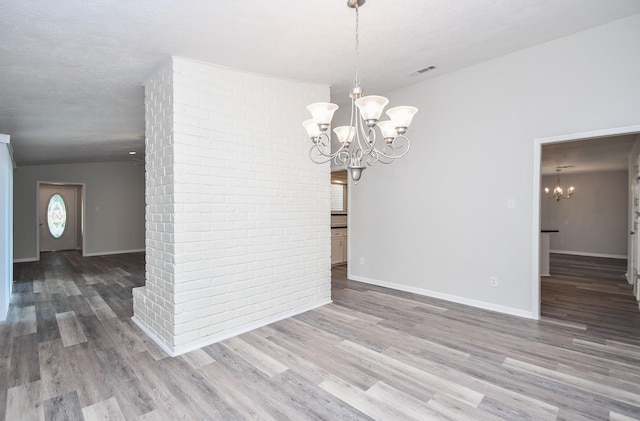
(72, 72)
(601, 154)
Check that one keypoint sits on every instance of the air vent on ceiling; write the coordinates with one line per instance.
(423, 70)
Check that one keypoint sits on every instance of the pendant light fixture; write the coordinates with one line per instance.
(558, 192)
(359, 144)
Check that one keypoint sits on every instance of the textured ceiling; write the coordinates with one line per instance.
(71, 72)
(601, 154)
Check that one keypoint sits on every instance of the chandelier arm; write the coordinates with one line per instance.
(369, 140)
(314, 159)
(387, 153)
(321, 143)
(338, 156)
(394, 148)
(356, 156)
(373, 156)
(357, 123)
(341, 158)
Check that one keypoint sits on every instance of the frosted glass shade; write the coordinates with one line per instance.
(311, 127)
(322, 112)
(345, 133)
(388, 129)
(402, 116)
(371, 106)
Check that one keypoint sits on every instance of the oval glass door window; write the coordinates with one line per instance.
(56, 216)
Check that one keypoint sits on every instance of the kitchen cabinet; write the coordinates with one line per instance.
(338, 246)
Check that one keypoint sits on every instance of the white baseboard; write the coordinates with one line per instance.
(447, 297)
(584, 253)
(179, 350)
(103, 253)
(26, 259)
(108, 253)
(151, 334)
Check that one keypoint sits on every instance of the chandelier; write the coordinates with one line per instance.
(558, 193)
(359, 141)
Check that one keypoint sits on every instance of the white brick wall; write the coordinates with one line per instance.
(153, 304)
(237, 214)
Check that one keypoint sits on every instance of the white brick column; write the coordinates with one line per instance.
(237, 215)
(154, 304)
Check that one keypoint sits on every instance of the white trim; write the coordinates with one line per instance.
(26, 259)
(107, 253)
(209, 340)
(537, 161)
(535, 231)
(584, 253)
(448, 297)
(103, 253)
(6, 278)
(616, 131)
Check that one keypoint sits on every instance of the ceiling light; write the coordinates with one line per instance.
(558, 192)
(359, 142)
(132, 152)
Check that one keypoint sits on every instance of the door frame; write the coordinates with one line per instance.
(537, 161)
(634, 256)
(80, 216)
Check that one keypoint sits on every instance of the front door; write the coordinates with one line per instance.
(58, 217)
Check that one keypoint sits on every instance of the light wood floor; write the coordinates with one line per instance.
(70, 352)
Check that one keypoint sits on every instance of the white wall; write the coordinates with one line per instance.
(114, 206)
(237, 215)
(6, 236)
(437, 221)
(593, 222)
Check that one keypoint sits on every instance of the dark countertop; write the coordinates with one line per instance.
(549, 230)
(339, 226)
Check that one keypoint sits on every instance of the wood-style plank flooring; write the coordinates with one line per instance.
(70, 352)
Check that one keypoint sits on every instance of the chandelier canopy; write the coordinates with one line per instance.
(358, 141)
(558, 192)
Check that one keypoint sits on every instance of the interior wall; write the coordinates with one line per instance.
(6, 235)
(593, 222)
(440, 216)
(238, 216)
(114, 206)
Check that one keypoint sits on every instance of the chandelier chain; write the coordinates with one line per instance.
(356, 80)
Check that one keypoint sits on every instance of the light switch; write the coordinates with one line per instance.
(511, 203)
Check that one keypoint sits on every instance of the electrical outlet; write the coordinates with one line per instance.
(362, 260)
(493, 281)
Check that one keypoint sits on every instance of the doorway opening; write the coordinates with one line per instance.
(614, 133)
(60, 216)
(339, 218)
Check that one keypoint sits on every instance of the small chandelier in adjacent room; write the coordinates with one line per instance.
(558, 192)
(358, 140)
